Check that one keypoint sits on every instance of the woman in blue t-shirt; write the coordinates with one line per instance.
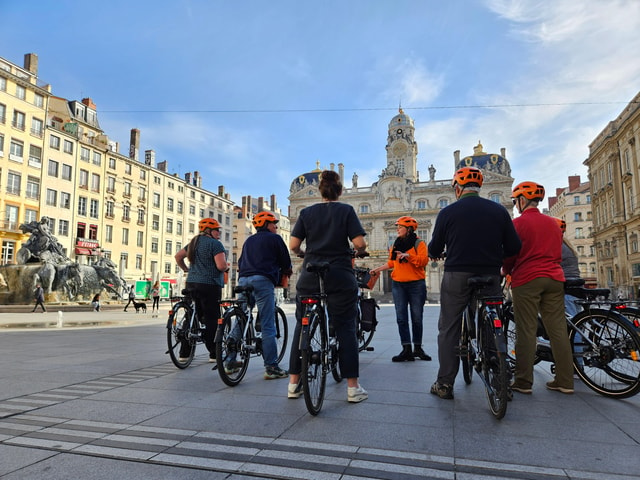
(205, 277)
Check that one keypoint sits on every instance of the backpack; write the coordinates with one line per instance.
(368, 320)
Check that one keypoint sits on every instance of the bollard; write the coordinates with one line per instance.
(60, 319)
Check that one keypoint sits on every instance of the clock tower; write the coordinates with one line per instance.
(402, 149)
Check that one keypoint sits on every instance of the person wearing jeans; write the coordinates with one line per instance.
(408, 259)
(263, 261)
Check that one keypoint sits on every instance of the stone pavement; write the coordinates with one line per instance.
(105, 402)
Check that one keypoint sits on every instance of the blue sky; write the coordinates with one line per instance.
(253, 93)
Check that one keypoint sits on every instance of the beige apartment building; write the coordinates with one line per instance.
(56, 161)
(573, 205)
(615, 185)
(23, 113)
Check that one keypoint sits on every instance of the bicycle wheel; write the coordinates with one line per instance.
(606, 350)
(181, 348)
(467, 356)
(364, 337)
(494, 364)
(632, 314)
(314, 371)
(231, 351)
(282, 333)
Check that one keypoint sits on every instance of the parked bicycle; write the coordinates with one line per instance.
(605, 346)
(184, 330)
(238, 337)
(599, 297)
(483, 345)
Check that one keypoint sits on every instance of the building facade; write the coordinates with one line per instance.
(399, 191)
(613, 174)
(23, 112)
(573, 205)
(56, 161)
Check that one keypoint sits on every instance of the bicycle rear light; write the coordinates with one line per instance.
(497, 323)
(305, 321)
(493, 302)
(309, 301)
(226, 304)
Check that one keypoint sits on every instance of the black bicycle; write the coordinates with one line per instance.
(184, 330)
(238, 337)
(605, 346)
(483, 344)
(318, 344)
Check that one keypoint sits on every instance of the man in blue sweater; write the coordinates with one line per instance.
(264, 261)
(477, 234)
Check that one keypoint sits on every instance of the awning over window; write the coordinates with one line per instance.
(83, 251)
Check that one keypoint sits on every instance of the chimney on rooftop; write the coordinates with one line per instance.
(574, 182)
(273, 203)
(31, 63)
(134, 144)
(341, 172)
(150, 158)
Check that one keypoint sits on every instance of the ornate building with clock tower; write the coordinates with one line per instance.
(399, 191)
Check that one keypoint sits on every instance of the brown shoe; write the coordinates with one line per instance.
(518, 387)
(553, 385)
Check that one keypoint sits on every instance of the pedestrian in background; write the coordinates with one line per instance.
(95, 303)
(132, 297)
(408, 259)
(155, 295)
(537, 287)
(39, 298)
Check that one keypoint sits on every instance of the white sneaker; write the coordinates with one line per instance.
(291, 391)
(356, 394)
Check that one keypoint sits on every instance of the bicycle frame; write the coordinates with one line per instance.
(483, 345)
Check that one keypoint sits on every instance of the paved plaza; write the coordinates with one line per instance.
(104, 401)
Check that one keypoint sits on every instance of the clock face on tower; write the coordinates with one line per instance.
(399, 148)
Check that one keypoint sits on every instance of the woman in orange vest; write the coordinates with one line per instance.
(408, 259)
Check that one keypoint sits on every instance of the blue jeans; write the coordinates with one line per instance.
(264, 295)
(409, 297)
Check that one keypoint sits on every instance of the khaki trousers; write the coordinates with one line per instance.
(545, 296)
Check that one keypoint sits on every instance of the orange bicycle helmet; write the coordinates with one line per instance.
(260, 220)
(562, 224)
(466, 175)
(408, 222)
(208, 223)
(529, 190)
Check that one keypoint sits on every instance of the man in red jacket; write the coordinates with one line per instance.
(537, 283)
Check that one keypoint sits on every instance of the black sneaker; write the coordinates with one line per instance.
(271, 373)
(442, 390)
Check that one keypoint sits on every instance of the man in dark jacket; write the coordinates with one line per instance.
(263, 262)
(477, 234)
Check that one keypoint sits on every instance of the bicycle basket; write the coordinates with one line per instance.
(362, 276)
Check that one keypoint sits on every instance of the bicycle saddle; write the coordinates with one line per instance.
(243, 289)
(480, 281)
(318, 267)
